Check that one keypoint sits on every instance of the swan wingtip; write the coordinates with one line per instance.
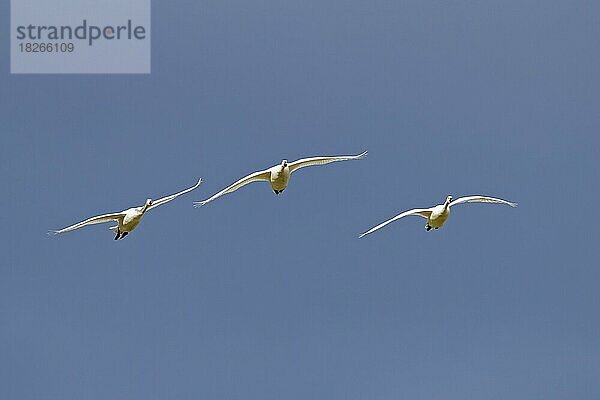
(198, 204)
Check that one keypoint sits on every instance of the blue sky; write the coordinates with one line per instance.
(256, 296)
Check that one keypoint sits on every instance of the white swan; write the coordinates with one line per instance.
(127, 220)
(437, 216)
(278, 176)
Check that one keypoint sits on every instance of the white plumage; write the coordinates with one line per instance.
(128, 219)
(278, 176)
(437, 216)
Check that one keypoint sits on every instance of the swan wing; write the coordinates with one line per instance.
(481, 199)
(91, 221)
(423, 212)
(256, 176)
(167, 199)
(305, 162)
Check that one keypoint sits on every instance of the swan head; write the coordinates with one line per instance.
(147, 204)
(284, 163)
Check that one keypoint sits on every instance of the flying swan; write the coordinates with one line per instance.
(127, 220)
(437, 216)
(278, 176)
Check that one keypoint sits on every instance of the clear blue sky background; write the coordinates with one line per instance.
(263, 297)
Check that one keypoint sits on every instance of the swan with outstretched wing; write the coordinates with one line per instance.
(278, 176)
(437, 216)
(129, 219)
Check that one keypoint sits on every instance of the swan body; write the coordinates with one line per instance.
(129, 219)
(279, 175)
(436, 216)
